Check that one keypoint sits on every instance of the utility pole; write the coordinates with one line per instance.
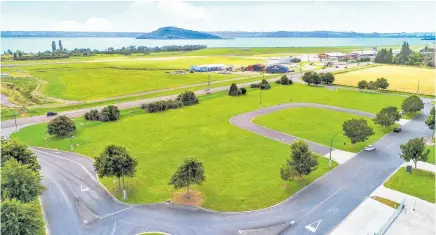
(417, 90)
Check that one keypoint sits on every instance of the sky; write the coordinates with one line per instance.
(146, 16)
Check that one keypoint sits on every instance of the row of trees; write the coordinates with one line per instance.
(58, 51)
(312, 77)
(380, 83)
(20, 187)
(406, 56)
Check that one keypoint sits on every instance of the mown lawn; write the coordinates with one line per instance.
(419, 183)
(431, 156)
(242, 168)
(400, 78)
(91, 81)
(318, 125)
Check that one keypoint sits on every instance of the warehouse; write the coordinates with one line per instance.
(255, 67)
(277, 68)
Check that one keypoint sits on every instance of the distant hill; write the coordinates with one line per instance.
(177, 33)
(315, 34)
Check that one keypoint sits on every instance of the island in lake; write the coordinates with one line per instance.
(177, 33)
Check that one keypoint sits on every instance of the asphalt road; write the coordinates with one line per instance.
(69, 176)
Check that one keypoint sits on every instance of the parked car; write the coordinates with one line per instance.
(369, 148)
(336, 66)
(50, 113)
(397, 129)
(346, 67)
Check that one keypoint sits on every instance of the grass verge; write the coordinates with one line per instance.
(319, 125)
(386, 201)
(419, 183)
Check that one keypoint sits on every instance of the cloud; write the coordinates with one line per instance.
(92, 24)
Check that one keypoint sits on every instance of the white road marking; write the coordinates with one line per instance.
(311, 228)
(321, 203)
(71, 189)
(83, 188)
(101, 217)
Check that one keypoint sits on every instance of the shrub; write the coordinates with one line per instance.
(109, 113)
(284, 80)
(174, 104)
(254, 85)
(233, 91)
(279, 81)
(264, 85)
(61, 126)
(154, 107)
(362, 84)
(243, 91)
(187, 98)
(92, 115)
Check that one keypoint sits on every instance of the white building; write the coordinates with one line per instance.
(336, 55)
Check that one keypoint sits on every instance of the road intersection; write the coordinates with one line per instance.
(76, 203)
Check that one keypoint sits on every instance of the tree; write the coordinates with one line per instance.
(20, 152)
(403, 56)
(357, 130)
(61, 126)
(430, 120)
(414, 150)
(311, 77)
(60, 45)
(187, 98)
(301, 162)
(264, 85)
(327, 78)
(92, 115)
(20, 182)
(19, 218)
(115, 161)
(233, 91)
(284, 80)
(109, 113)
(190, 172)
(371, 85)
(412, 104)
(387, 116)
(53, 46)
(381, 83)
(362, 84)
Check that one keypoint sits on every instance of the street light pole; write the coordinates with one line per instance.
(71, 143)
(15, 118)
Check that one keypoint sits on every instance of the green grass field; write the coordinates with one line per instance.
(84, 82)
(431, 156)
(400, 78)
(419, 183)
(318, 125)
(242, 168)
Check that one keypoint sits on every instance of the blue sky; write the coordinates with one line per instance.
(145, 16)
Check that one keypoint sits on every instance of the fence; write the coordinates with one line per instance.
(392, 218)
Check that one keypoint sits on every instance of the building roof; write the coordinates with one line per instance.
(333, 54)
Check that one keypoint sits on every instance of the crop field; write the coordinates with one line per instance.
(318, 125)
(91, 81)
(232, 156)
(400, 78)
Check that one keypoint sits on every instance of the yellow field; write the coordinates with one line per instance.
(400, 78)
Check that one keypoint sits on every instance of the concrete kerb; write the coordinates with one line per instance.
(47, 228)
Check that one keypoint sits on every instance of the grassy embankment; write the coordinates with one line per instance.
(232, 157)
(419, 183)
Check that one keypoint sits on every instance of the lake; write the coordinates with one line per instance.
(35, 44)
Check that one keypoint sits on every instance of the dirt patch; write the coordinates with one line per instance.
(196, 198)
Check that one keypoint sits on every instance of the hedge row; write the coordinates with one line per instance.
(161, 105)
(107, 114)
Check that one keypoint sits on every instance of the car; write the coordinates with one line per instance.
(369, 148)
(346, 67)
(336, 66)
(50, 113)
(397, 129)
